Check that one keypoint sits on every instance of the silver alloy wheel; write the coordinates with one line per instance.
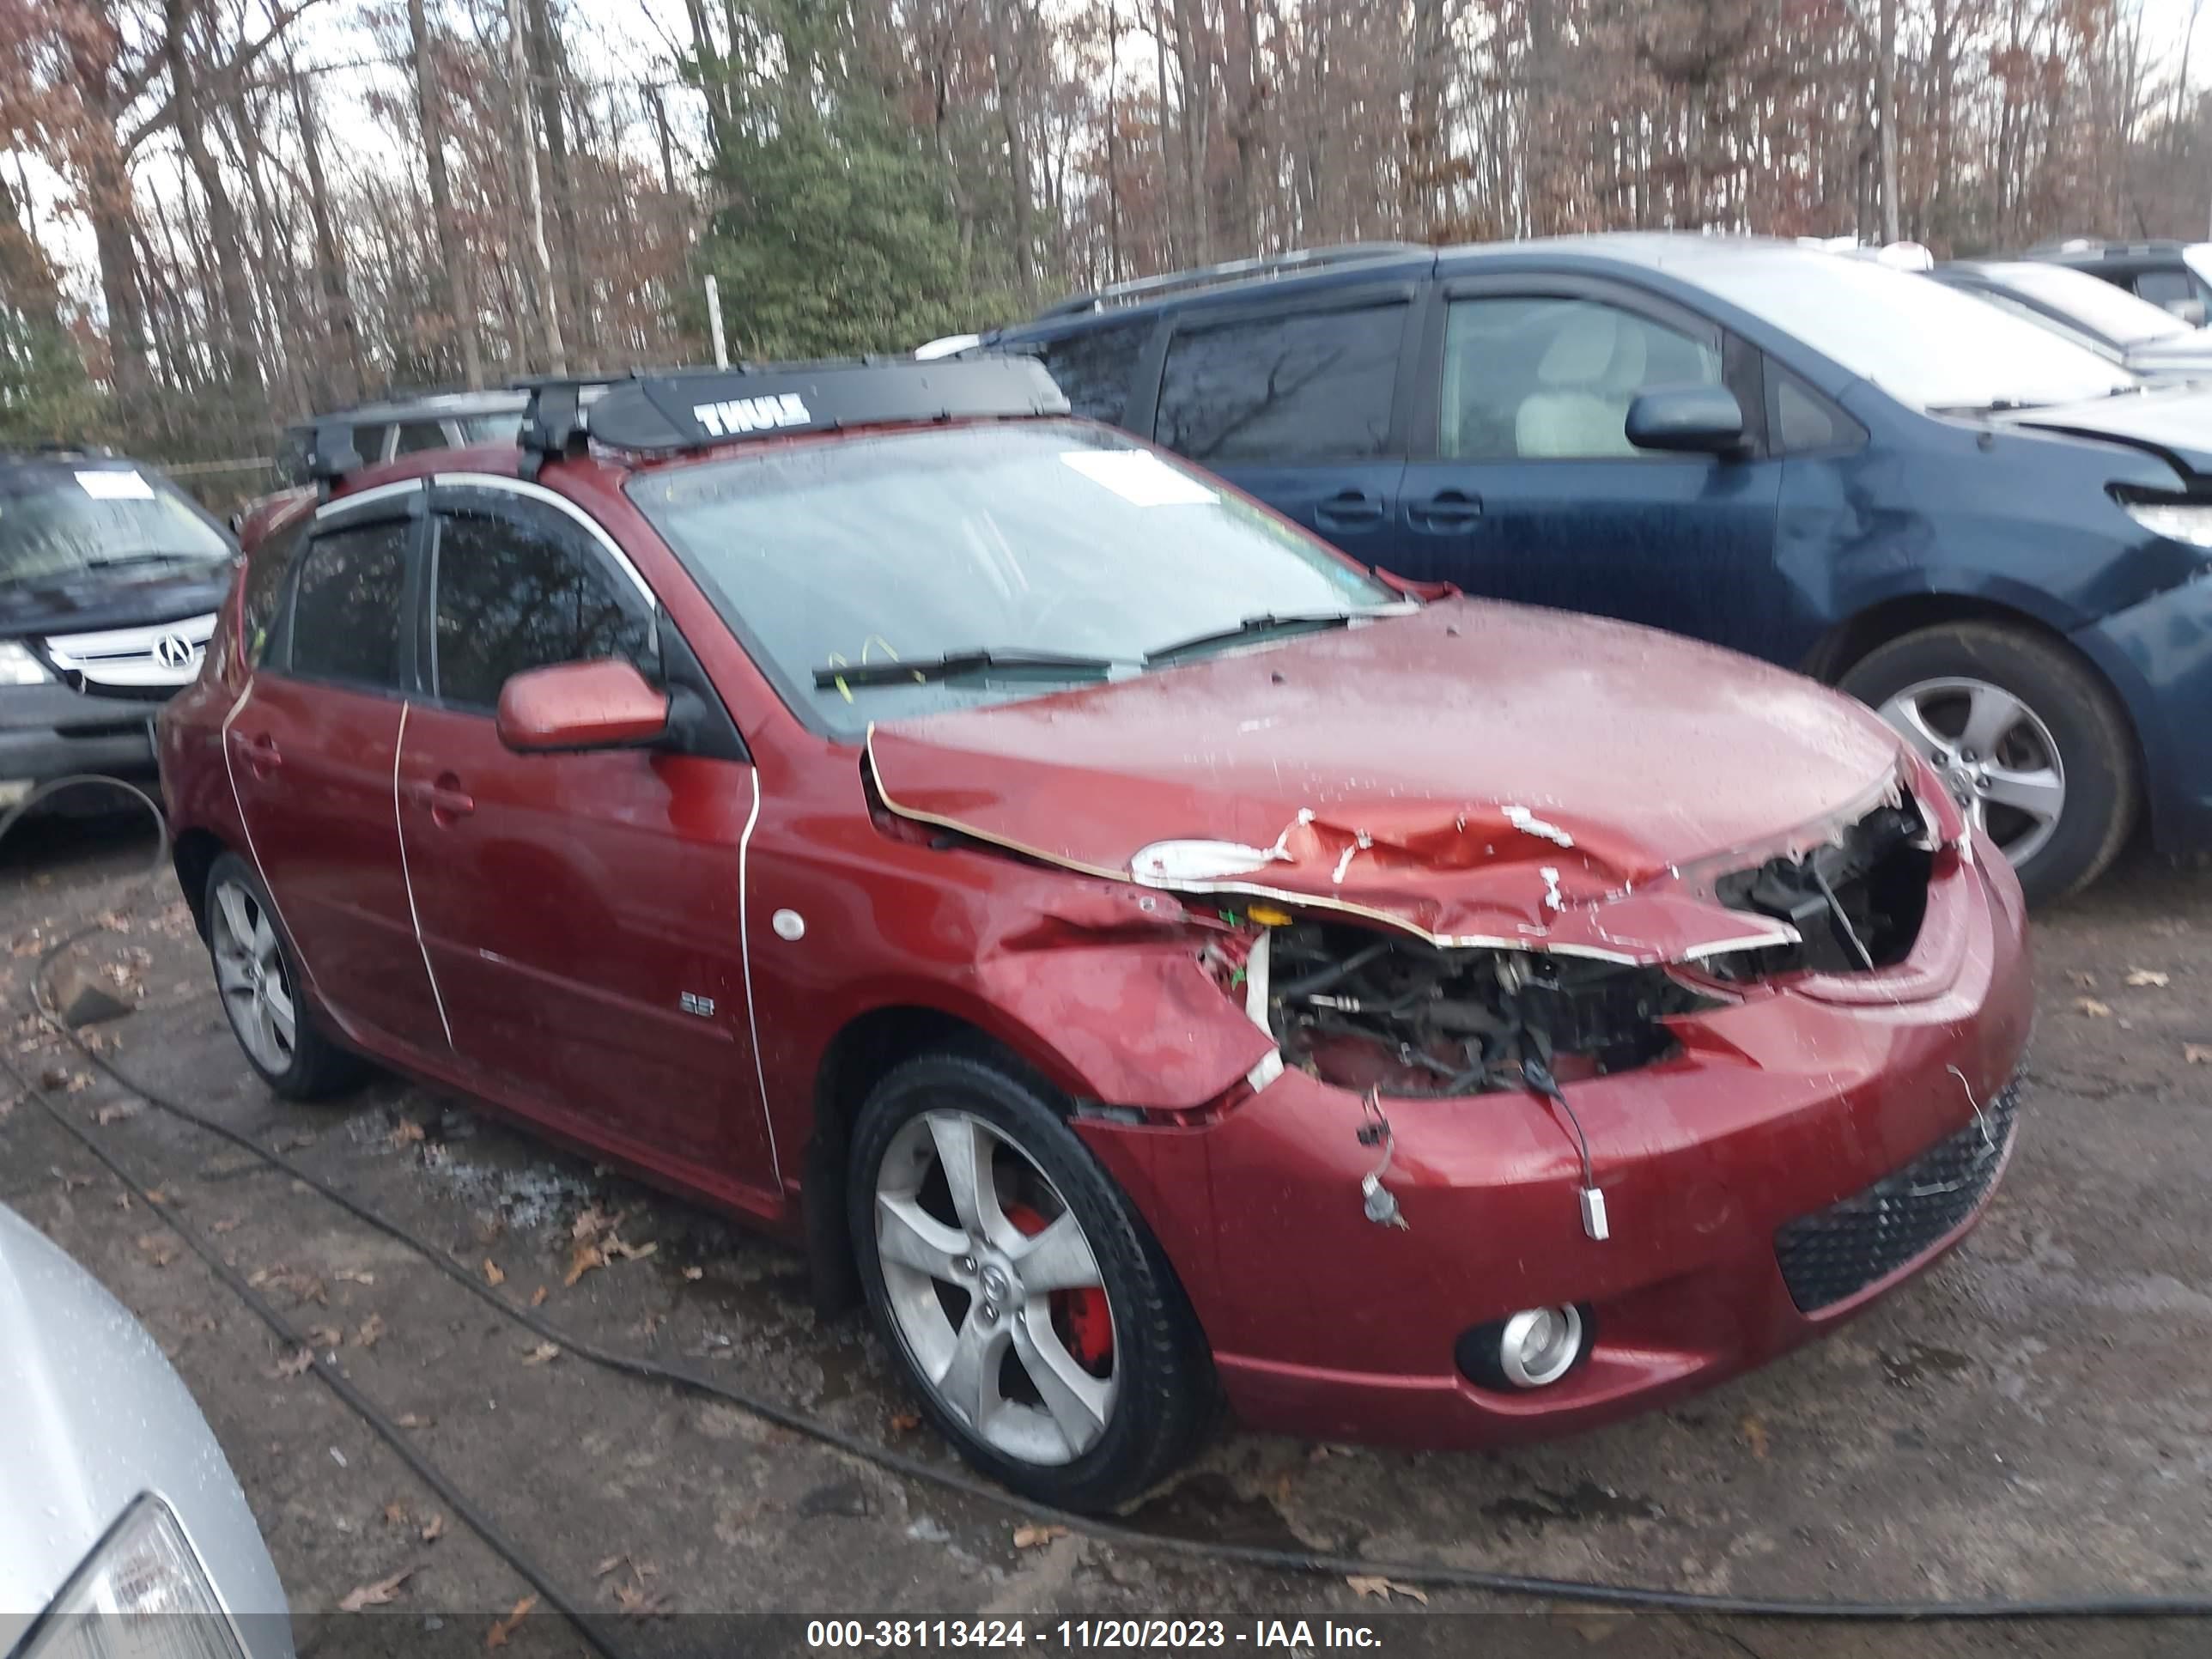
(249, 971)
(966, 1293)
(1994, 754)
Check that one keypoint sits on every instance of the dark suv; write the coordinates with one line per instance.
(1992, 534)
(110, 577)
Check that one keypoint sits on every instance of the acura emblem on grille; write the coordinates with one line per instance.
(173, 650)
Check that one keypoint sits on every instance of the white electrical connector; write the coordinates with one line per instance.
(1594, 1213)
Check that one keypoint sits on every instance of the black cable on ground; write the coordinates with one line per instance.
(332, 1378)
(1437, 1574)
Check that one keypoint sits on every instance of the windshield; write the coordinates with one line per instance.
(1920, 342)
(59, 521)
(1047, 536)
(2099, 306)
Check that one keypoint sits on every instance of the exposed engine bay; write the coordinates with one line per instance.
(1370, 1011)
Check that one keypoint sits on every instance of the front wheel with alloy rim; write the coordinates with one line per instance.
(258, 980)
(2024, 735)
(1037, 1321)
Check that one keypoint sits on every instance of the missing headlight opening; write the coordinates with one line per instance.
(1856, 902)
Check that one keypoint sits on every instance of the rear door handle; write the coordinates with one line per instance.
(1446, 512)
(1349, 509)
(259, 751)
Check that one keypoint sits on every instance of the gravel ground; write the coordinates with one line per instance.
(2032, 1419)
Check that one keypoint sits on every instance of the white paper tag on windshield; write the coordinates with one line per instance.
(1140, 477)
(115, 486)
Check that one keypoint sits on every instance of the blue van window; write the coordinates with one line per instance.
(1302, 386)
(1536, 378)
(1094, 368)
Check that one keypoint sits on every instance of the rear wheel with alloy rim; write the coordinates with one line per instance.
(2024, 735)
(1033, 1315)
(259, 980)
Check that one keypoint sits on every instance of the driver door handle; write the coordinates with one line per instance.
(1349, 509)
(1446, 512)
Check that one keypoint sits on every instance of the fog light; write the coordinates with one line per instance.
(1540, 1346)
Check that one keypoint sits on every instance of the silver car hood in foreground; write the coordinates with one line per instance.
(94, 1416)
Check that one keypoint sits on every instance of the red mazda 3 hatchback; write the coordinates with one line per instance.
(1148, 955)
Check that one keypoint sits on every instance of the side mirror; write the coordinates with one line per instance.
(580, 705)
(1697, 420)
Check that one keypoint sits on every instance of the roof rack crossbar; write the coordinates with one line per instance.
(1229, 271)
(670, 411)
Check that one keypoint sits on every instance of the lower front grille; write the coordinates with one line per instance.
(1829, 1256)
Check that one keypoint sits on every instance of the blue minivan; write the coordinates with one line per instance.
(1997, 538)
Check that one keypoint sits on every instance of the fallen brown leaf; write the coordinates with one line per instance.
(108, 1114)
(497, 1635)
(638, 1602)
(616, 1247)
(395, 1514)
(406, 1133)
(227, 1224)
(542, 1353)
(376, 1595)
(1383, 1589)
(159, 1250)
(905, 1422)
(123, 1200)
(608, 1565)
(353, 1276)
(2092, 1008)
(1755, 1434)
(155, 1195)
(694, 1274)
(1030, 1538)
(71, 1182)
(2150, 976)
(325, 1336)
(434, 1528)
(410, 1420)
(295, 1362)
(492, 1274)
(537, 1296)
(371, 1329)
(582, 1260)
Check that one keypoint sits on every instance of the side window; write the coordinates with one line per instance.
(368, 441)
(1093, 367)
(1801, 419)
(265, 570)
(345, 615)
(2163, 287)
(419, 434)
(1302, 386)
(520, 588)
(1530, 378)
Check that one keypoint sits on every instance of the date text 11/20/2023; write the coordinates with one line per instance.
(891, 1635)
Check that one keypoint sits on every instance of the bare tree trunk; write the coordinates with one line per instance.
(1885, 96)
(546, 58)
(533, 198)
(429, 112)
(330, 253)
(1006, 68)
(239, 358)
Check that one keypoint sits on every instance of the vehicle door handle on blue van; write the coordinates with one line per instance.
(1349, 509)
(1447, 513)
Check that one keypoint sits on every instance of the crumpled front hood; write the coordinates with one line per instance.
(95, 1417)
(1478, 773)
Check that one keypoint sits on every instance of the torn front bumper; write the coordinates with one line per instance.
(1782, 1107)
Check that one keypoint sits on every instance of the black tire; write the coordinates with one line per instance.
(2096, 746)
(317, 1068)
(1162, 1372)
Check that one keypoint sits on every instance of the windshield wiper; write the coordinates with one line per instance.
(1251, 626)
(974, 660)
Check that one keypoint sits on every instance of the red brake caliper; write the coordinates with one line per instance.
(1080, 1317)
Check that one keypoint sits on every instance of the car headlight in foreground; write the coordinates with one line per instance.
(142, 1593)
(2187, 522)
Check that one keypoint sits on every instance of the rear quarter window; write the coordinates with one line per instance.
(1095, 367)
(262, 588)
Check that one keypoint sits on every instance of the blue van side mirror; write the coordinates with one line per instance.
(1703, 420)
